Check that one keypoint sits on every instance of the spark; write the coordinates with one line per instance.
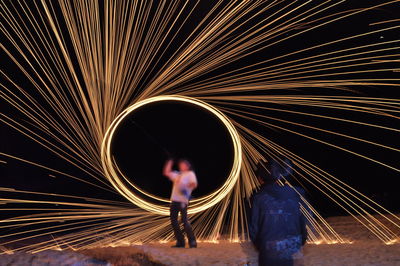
(89, 66)
(197, 205)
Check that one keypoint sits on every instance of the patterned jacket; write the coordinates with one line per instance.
(277, 224)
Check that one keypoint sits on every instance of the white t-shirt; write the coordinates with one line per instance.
(180, 190)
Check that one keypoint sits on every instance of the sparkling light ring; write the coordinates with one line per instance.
(116, 178)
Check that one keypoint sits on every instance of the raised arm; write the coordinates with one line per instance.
(167, 171)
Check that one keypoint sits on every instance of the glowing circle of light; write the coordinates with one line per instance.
(115, 177)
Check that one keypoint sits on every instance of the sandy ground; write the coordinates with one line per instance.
(50, 257)
(365, 249)
(223, 253)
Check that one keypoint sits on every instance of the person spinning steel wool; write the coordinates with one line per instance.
(277, 227)
(184, 182)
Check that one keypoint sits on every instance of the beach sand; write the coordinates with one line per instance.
(365, 249)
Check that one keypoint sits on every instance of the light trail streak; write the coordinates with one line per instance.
(89, 65)
(197, 205)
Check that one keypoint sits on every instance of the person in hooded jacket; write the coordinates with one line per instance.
(277, 226)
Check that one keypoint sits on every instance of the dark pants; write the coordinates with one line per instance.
(176, 208)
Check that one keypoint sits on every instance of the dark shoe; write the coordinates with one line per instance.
(193, 244)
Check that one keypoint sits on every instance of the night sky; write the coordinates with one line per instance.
(171, 129)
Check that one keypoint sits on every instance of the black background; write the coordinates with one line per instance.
(162, 130)
(186, 131)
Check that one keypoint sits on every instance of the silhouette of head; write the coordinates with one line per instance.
(274, 170)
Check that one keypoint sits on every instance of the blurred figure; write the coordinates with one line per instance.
(184, 182)
(277, 227)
